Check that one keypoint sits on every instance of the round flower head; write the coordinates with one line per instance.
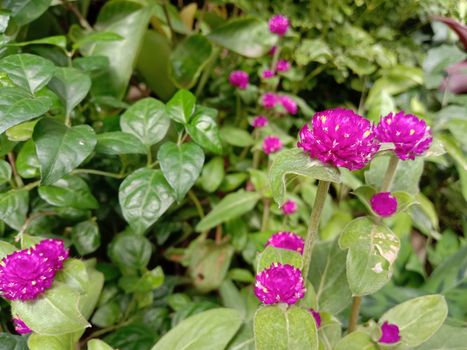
(287, 240)
(289, 207)
(384, 204)
(239, 79)
(267, 74)
(260, 122)
(339, 137)
(24, 275)
(289, 105)
(280, 284)
(283, 66)
(269, 100)
(389, 333)
(21, 327)
(317, 316)
(272, 144)
(279, 25)
(410, 135)
(52, 250)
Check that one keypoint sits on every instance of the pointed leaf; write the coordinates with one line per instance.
(182, 106)
(14, 207)
(204, 131)
(5, 172)
(118, 142)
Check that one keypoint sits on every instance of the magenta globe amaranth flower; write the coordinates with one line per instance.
(20, 326)
(24, 275)
(289, 207)
(279, 25)
(317, 316)
(289, 104)
(267, 74)
(260, 122)
(409, 134)
(283, 66)
(384, 204)
(239, 79)
(269, 100)
(340, 138)
(389, 333)
(52, 250)
(287, 240)
(280, 284)
(272, 144)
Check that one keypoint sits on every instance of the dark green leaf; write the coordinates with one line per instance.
(61, 149)
(25, 11)
(56, 40)
(86, 237)
(181, 106)
(13, 342)
(204, 131)
(5, 172)
(14, 207)
(95, 37)
(144, 196)
(130, 252)
(27, 163)
(181, 165)
(118, 142)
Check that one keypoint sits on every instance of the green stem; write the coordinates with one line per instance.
(275, 58)
(390, 172)
(197, 204)
(266, 211)
(321, 193)
(238, 109)
(354, 313)
(12, 161)
(31, 185)
(207, 72)
(149, 157)
(98, 172)
(165, 7)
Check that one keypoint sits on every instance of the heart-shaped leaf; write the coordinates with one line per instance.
(204, 131)
(86, 237)
(181, 106)
(61, 149)
(118, 142)
(181, 165)
(144, 196)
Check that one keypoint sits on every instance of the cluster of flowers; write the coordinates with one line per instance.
(27, 273)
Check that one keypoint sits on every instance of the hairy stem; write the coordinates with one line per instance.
(323, 187)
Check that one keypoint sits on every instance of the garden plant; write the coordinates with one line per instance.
(233, 175)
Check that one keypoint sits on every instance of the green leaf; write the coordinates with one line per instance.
(404, 199)
(181, 165)
(373, 248)
(74, 275)
(96, 344)
(130, 252)
(14, 207)
(25, 11)
(446, 338)
(86, 237)
(356, 341)
(231, 206)
(118, 142)
(13, 342)
(418, 319)
(17, 106)
(69, 191)
(209, 330)
(260, 181)
(60, 304)
(6, 249)
(236, 136)
(212, 174)
(271, 255)
(246, 36)
(71, 85)
(204, 131)
(144, 196)
(181, 106)
(28, 71)
(129, 20)
(61, 149)
(56, 40)
(188, 60)
(279, 328)
(5, 172)
(328, 275)
(61, 342)
(27, 163)
(146, 120)
(95, 37)
(93, 289)
(21, 132)
(295, 161)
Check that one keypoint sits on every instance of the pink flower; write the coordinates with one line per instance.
(21, 327)
(289, 207)
(289, 104)
(53, 250)
(239, 79)
(267, 74)
(384, 204)
(287, 240)
(317, 316)
(280, 284)
(339, 137)
(410, 135)
(389, 333)
(272, 144)
(259, 122)
(283, 66)
(269, 100)
(272, 51)
(279, 25)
